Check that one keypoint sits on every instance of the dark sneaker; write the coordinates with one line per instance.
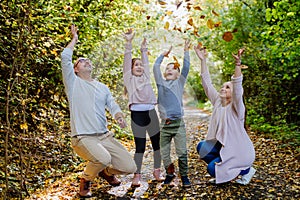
(112, 180)
(185, 182)
(169, 179)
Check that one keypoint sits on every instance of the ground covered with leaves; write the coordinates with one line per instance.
(277, 175)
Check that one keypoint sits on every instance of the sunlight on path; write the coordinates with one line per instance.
(147, 167)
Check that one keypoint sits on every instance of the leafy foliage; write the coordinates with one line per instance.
(33, 106)
(34, 113)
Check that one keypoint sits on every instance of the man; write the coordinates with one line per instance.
(91, 139)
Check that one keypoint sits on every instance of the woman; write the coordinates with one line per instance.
(227, 150)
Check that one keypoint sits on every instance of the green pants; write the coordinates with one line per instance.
(174, 129)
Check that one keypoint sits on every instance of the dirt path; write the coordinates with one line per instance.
(277, 176)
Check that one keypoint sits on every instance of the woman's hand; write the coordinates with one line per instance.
(200, 52)
(238, 56)
(129, 35)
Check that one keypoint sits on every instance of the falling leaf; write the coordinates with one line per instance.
(190, 22)
(227, 36)
(176, 63)
(210, 24)
(234, 30)
(188, 6)
(197, 7)
(215, 13)
(196, 33)
(202, 16)
(161, 2)
(169, 12)
(200, 45)
(178, 4)
(148, 17)
(167, 25)
(147, 1)
(217, 24)
(177, 29)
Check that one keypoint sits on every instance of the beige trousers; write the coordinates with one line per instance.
(103, 152)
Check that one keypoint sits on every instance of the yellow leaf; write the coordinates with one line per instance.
(169, 12)
(54, 52)
(167, 25)
(210, 24)
(24, 126)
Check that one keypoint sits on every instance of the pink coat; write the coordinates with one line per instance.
(138, 87)
(227, 126)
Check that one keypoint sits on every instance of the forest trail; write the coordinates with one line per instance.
(277, 176)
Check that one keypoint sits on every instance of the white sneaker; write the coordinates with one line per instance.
(212, 181)
(247, 177)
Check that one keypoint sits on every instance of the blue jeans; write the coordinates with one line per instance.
(209, 151)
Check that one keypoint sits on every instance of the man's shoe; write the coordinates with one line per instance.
(185, 182)
(247, 177)
(169, 179)
(85, 189)
(112, 180)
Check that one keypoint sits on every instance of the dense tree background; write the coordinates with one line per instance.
(34, 136)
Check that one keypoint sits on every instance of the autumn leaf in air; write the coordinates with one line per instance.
(190, 22)
(148, 17)
(234, 30)
(169, 12)
(227, 36)
(197, 7)
(167, 25)
(188, 6)
(202, 16)
(196, 32)
(215, 13)
(161, 2)
(217, 24)
(200, 44)
(178, 4)
(210, 24)
(176, 63)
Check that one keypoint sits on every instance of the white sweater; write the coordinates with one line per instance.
(87, 100)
